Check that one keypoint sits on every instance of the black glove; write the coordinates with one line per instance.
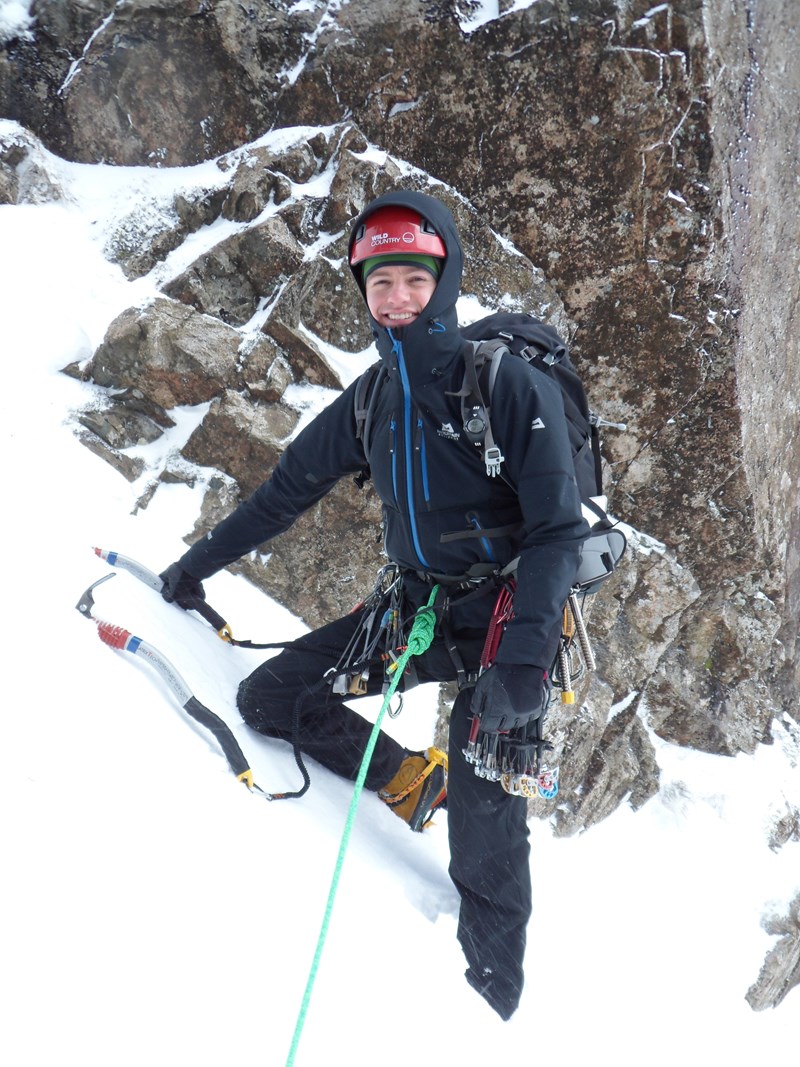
(509, 695)
(181, 588)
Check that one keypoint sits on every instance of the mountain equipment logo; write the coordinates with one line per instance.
(537, 424)
(448, 431)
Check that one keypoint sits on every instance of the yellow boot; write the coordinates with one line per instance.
(418, 788)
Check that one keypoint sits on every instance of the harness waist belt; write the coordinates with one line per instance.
(477, 574)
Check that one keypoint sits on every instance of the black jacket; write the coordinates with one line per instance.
(442, 512)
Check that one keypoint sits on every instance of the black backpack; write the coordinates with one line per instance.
(518, 334)
(540, 346)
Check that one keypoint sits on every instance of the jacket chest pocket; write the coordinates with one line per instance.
(384, 460)
(403, 468)
(421, 461)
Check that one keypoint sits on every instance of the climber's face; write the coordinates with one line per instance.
(397, 295)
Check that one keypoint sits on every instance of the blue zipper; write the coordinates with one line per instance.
(423, 462)
(487, 547)
(393, 451)
(397, 348)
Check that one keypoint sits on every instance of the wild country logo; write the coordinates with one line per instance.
(448, 431)
(385, 239)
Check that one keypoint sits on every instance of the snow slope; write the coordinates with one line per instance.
(154, 911)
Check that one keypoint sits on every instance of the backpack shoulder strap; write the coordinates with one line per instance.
(495, 367)
(367, 390)
(475, 408)
(594, 436)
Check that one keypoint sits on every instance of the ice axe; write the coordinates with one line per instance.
(116, 559)
(118, 637)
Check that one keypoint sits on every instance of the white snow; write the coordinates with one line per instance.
(15, 20)
(470, 309)
(154, 911)
(75, 66)
(478, 13)
(326, 20)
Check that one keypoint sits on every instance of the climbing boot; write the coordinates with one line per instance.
(418, 788)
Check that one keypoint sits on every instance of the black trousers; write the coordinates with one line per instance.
(488, 833)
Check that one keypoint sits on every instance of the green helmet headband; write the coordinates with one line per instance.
(429, 263)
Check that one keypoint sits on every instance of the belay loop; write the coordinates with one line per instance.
(419, 640)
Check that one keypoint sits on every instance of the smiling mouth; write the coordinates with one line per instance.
(401, 318)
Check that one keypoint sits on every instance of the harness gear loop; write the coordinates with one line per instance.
(419, 640)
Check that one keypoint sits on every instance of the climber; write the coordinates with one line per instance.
(447, 524)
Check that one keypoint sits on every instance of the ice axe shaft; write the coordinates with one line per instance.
(118, 637)
(125, 563)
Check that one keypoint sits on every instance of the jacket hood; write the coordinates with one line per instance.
(436, 329)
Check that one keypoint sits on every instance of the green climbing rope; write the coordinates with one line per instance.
(418, 641)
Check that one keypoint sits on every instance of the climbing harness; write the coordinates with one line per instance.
(419, 639)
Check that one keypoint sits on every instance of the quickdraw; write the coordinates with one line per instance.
(381, 625)
(575, 654)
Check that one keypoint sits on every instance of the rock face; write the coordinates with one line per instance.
(781, 970)
(621, 147)
(638, 160)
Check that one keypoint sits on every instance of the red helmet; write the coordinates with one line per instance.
(394, 230)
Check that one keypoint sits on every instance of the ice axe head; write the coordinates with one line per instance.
(86, 602)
